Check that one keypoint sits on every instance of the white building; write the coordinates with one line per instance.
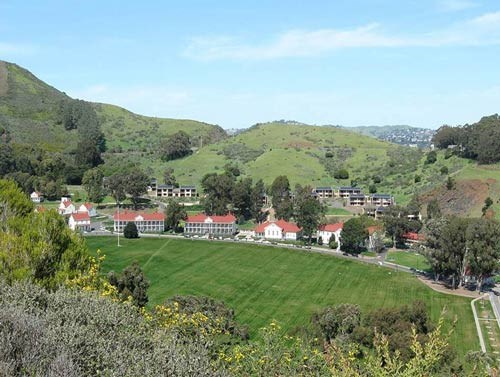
(278, 230)
(212, 225)
(66, 207)
(79, 221)
(36, 197)
(145, 222)
(328, 230)
(89, 208)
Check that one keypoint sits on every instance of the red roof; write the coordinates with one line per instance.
(80, 216)
(374, 228)
(201, 218)
(331, 227)
(284, 225)
(67, 203)
(413, 236)
(131, 216)
(87, 205)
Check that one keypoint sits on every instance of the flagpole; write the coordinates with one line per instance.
(118, 227)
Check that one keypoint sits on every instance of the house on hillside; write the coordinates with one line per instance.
(170, 191)
(145, 222)
(66, 207)
(323, 192)
(88, 208)
(187, 191)
(278, 230)
(165, 191)
(79, 221)
(346, 191)
(327, 231)
(357, 200)
(36, 197)
(381, 200)
(202, 224)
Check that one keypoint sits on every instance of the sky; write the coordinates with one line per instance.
(236, 63)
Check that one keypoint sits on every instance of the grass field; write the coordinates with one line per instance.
(409, 259)
(263, 283)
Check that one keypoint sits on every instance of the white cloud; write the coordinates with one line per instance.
(482, 30)
(455, 5)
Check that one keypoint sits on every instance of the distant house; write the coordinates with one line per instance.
(346, 191)
(145, 222)
(170, 191)
(357, 200)
(165, 191)
(328, 230)
(187, 191)
(278, 230)
(79, 221)
(381, 200)
(66, 207)
(202, 224)
(323, 192)
(36, 197)
(89, 208)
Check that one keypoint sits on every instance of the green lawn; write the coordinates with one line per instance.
(263, 283)
(337, 212)
(408, 259)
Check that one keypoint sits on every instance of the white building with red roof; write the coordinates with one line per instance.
(328, 230)
(79, 221)
(212, 225)
(278, 230)
(36, 197)
(89, 208)
(145, 222)
(66, 207)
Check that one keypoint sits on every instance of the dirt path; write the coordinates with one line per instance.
(440, 287)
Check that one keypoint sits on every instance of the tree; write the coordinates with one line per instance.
(320, 241)
(488, 202)
(336, 321)
(280, 193)
(242, 198)
(174, 214)
(431, 157)
(450, 183)
(92, 182)
(136, 185)
(130, 230)
(396, 224)
(443, 170)
(309, 211)
(372, 189)
(377, 243)
(218, 193)
(116, 185)
(175, 146)
(433, 209)
(341, 174)
(453, 244)
(169, 178)
(353, 236)
(131, 283)
(256, 201)
(483, 248)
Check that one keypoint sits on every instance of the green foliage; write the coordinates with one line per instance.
(332, 243)
(417, 179)
(136, 185)
(280, 197)
(218, 189)
(130, 230)
(353, 236)
(450, 183)
(309, 212)
(443, 170)
(92, 181)
(431, 157)
(340, 320)
(341, 174)
(488, 202)
(397, 223)
(131, 283)
(169, 178)
(175, 146)
(433, 209)
(75, 333)
(241, 152)
(372, 189)
(175, 213)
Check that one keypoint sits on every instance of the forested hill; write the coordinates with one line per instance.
(30, 110)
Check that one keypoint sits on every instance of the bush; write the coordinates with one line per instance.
(417, 179)
(320, 240)
(372, 189)
(130, 230)
(431, 157)
(341, 174)
(444, 170)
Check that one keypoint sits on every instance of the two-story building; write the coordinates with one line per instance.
(278, 230)
(381, 200)
(324, 192)
(145, 222)
(357, 200)
(66, 206)
(36, 197)
(202, 224)
(327, 231)
(79, 221)
(88, 208)
(346, 191)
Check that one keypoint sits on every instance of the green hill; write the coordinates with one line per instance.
(29, 109)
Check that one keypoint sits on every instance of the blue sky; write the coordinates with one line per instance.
(236, 63)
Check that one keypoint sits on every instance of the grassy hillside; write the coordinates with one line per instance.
(29, 110)
(300, 151)
(264, 283)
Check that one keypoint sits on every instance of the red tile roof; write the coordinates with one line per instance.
(284, 225)
(87, 205)
(413, 236)
(67, 203)
(201, 218)
(374, 228)
(331, 227)
(131, 216)
(80, 216)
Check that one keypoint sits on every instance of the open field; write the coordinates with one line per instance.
(408, 259)
(263, 283)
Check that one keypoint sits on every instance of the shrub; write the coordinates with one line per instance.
(444, 170)
(417, 179)
(431, 157)
(130, 230)
(341, 174)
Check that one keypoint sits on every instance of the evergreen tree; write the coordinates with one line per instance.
(130, 230)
